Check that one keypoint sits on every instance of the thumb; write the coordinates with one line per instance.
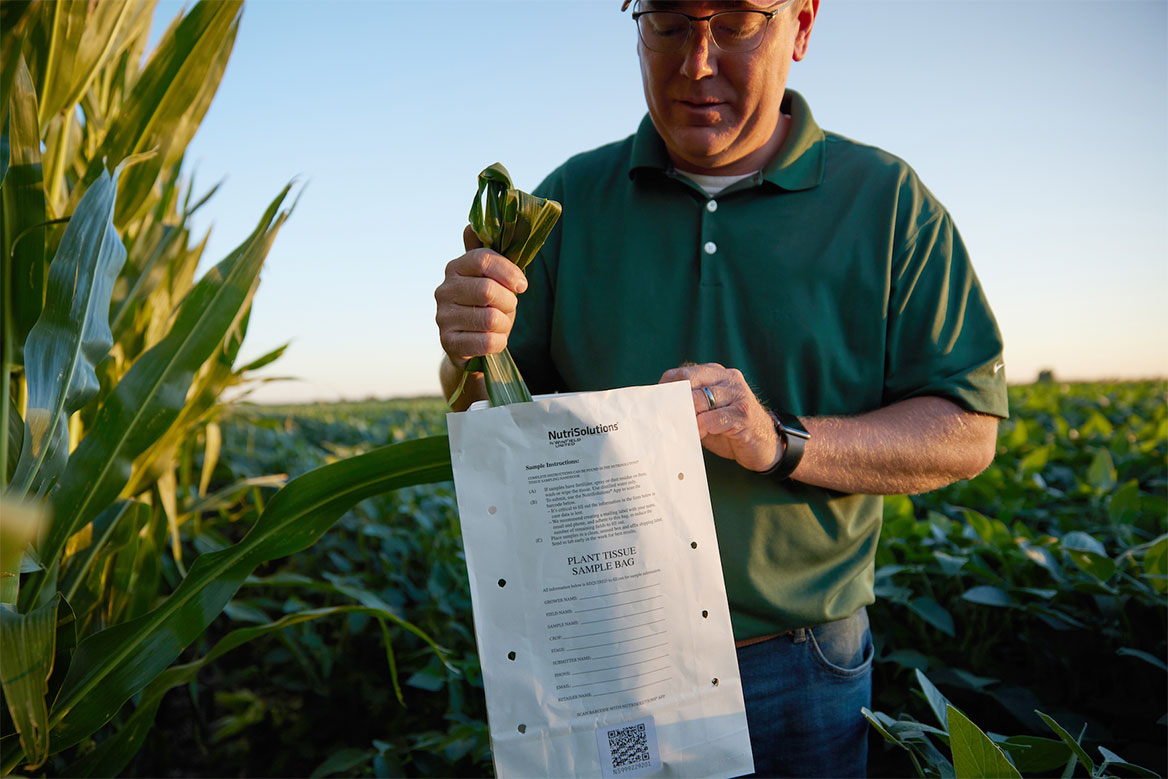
(470, 240)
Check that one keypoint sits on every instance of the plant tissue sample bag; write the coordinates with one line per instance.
(599, 606)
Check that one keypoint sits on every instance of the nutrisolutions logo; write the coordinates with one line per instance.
(570, 436)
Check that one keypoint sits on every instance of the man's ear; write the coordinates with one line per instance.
(805, 20)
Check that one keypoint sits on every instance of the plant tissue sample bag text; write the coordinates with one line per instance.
(599, 606)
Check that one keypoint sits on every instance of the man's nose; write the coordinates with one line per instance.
(699, 53)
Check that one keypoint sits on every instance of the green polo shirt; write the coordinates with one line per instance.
(833, 280)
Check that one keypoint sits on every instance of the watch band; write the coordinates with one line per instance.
(793, 437)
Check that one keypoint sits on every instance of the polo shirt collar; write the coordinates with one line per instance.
(798, 165)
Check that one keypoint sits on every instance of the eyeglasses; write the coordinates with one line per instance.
(667, 32)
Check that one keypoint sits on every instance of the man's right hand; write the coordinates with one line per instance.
(477, 301)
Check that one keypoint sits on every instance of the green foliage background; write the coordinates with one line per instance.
(1039, 585)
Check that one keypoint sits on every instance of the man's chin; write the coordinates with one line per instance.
(700, 145)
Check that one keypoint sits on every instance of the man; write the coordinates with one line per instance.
(862, 357)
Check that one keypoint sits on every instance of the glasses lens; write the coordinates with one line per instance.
(663, 31)
(738, 30)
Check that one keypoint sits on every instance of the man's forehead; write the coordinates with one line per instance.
(682, 5)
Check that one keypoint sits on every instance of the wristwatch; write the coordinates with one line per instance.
(793, 436)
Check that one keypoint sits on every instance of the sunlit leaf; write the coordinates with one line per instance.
(1101, 475)
(149, 398)
(1155, 563)
(71, 336)
(974, 755)
(83, 34)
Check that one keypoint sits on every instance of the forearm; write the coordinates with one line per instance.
(910, 447)
(475, 388)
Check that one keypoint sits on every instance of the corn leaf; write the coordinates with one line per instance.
(104, 530)
(83, 36)
(27, 646)
(170, 98)
(14, 439)
(515, 224)
(15, 17)
(5, 151)
(22, 232)
(212, 443)
(114, 664)
(152, 394)
(71, 336)
(112, 755)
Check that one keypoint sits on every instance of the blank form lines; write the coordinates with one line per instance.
(626, 665)
(630, 689)
(613, 606)
(631, 651)
(615, 630)
(622, 616)
(614, 643)
(621, 678)
(618, 592)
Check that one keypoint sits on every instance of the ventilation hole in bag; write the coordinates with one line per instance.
(510, 655)
(705, 614)
(522, 728)
(693, 544)
(714, 681)
(502, 582)
(491, 510)
(681, 477)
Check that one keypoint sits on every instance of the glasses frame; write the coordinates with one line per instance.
(769, 15)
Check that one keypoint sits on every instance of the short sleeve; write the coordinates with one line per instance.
(530, 340)
(942, 339)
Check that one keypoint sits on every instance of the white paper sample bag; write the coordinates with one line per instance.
(599, 605)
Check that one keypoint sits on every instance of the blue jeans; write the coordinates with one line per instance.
(803, 697)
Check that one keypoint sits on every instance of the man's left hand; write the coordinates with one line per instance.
(737, 427)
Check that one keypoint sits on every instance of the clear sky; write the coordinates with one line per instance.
(1042, 126)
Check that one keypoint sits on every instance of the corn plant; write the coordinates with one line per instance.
(515, 224)
(113, 363)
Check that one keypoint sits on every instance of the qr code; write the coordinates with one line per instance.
(628, 746)
(628, 749)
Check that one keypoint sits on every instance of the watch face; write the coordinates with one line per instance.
(792, 426)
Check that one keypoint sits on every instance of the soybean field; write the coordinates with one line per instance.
(1035, 591)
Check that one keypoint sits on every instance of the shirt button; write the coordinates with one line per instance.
(711, 206)
(710, 247)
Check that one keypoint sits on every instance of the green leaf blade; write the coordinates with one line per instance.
(515, 224)
(974, 755)
(151, 395)
(114, 664)
(72, 334)
(22, 232)
(27, 643)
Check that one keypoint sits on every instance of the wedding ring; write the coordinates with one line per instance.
(709, 397)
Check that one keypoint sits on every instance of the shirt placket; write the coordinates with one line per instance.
(710, 243)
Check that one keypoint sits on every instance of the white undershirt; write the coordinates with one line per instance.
(712, 185)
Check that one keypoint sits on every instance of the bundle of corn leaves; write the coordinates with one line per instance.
(514, 224)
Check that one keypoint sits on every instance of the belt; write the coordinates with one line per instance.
(759, 639)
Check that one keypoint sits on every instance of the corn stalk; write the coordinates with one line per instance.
(114, 361)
